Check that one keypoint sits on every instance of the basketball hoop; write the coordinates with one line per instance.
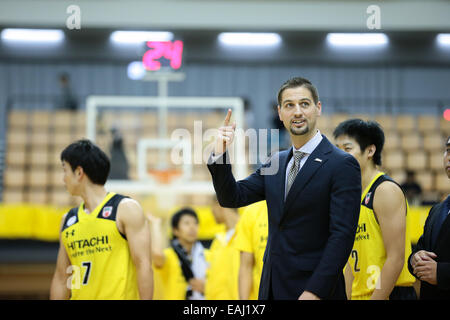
(165, 176)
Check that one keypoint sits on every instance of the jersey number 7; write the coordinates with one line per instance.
(87, 265)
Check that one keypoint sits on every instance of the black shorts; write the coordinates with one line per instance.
(403, 293)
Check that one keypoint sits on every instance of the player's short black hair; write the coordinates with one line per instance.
(298, 82)
(365, 133)
(180, 213)
(85, 154)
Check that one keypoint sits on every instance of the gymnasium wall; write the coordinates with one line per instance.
(347, 88)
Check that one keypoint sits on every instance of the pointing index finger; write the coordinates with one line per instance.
(227, 118)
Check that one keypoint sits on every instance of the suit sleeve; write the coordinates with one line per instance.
(421, 242)
(344, 214)
(443, 275)
(231, 193)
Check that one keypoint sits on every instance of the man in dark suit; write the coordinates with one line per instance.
(430, 261)
(313, 201)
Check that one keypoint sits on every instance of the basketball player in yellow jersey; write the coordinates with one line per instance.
(251, 240)
(105, 243)
(223, 272)
(377, 267)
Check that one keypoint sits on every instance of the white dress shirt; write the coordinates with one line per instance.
(307, 148)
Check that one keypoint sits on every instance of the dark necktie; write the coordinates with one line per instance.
(298, 156)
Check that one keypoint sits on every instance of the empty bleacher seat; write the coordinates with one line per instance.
(60, 197)
(427, 123)
(14, 177)
(387, 122)
(433, 142)
(437, 161)
(391, 140)
(324, 122)
(18, 120)
(13, 195)
(411, 141)
(40, 120)
(444, 126)
(39, 157)
(442, 182)
(425, 179)
(40, 139)
(38, 178)
(394, 160)
(16, 157)
(405, 123)
(37, 196)
(61, 140)
(362, 116)
(55, 178)
(337, 118)
(63, 120)
(17, 138)
(398, 175)
(416, 160)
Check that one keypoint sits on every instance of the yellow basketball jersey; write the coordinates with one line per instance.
(251, 236)
(171, 283)
(101, 264)
(222, 276)
(368, 254)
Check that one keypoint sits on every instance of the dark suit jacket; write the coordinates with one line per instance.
(442, 250)
(311, 234)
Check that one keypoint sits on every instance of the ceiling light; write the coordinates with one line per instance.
(32, 35)
(357, 39)
(140, 36)
(249, 39)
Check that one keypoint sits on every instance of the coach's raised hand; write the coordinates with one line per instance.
(225, 135)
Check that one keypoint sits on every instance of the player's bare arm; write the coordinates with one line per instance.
(348, 275)
(247, 261)
(59, 289)
(132, 223)
(157, 240)
(390, 209)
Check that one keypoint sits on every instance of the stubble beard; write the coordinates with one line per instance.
(300, 131)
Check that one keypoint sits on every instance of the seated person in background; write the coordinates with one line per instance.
(181, 268)
(119, 162)
(222, 275)
(412, 189)
(67, 100)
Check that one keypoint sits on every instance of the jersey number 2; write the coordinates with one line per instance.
(355, 256)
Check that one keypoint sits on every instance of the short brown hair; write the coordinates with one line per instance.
(299, 82)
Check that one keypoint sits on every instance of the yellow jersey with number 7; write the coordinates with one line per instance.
(101, 264)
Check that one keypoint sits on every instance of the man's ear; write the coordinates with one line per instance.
(371, 150)
(319, 106)
(79, 172)
(279, 113)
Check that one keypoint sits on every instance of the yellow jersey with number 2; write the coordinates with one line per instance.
(368, 254)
